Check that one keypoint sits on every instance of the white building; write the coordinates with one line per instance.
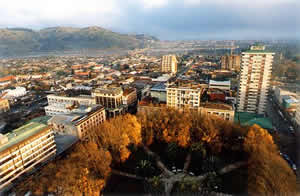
(14, 93)
(66, 105)
(24, 148)
(111, 98)
(223, 85)
(254, 81)
(78, 124)
(169, 64)
(184, 96)
(163, 78)
(280, 93)
(159, 92)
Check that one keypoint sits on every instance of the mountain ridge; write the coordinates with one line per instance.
(22, 41)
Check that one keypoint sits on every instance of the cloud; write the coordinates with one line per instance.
(38, 13)
(167, 19)
(150, 4)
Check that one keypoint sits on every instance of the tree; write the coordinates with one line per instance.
(206, 149)
(83, 171)
(264, 161)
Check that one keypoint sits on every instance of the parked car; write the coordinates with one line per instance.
(290, 162)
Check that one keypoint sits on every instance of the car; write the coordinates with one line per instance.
(280, 113)
(289, 161)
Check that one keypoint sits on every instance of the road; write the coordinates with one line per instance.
(281, 124)
(289, 142)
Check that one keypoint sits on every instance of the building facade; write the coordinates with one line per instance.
(111, 99)
(159, 92)
(24, 148)
(297, 117)
(231, 62)
(66, 105)
(224, 111)
(129, 97)
(4, 105)
(63, 100)
(169, 64)
(15, 93)
(184, 96)
(254, 80)
(78, 125)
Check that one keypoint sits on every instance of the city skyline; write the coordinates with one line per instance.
(176, 20)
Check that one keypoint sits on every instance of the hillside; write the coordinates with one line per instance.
(21, 41)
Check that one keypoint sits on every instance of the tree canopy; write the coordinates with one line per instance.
(170, 151)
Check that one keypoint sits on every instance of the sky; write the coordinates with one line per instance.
(165, 19)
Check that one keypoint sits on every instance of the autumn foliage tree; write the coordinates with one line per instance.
(268, 173)
(207, 148)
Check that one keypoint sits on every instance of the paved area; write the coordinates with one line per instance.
(289, 140)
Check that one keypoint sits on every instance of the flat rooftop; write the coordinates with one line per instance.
(81, 109)
(159, 87)
(220, 106)
(109, 90)
(258, 51)
(223, 83)
(21, 134)
(188, 85)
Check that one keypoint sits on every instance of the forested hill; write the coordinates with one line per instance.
(21, 41)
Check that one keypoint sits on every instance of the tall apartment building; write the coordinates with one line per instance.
(231, 62)
(24, 148)
(184, 95)
(111, 99)
(66, 105)
(169, 64)
(254, 80)
(4, 105)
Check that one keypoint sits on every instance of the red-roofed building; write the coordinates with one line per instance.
(85, 75)
(76, 67)
(7, 80)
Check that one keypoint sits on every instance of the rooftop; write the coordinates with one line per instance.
(109, 90)
(75, 109)
(187, 84)
(64, 119)
(21, 134)
(159, 87)
(127, 91)
(7, 78)
(41, 119)
(258, 51)
(72, 119)
(249, 119)
(220, 106)
(214, 82)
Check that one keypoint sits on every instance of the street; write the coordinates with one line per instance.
(289, 142)
(278, 121)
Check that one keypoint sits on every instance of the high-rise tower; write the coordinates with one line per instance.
(169, 64)
(254, 81)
